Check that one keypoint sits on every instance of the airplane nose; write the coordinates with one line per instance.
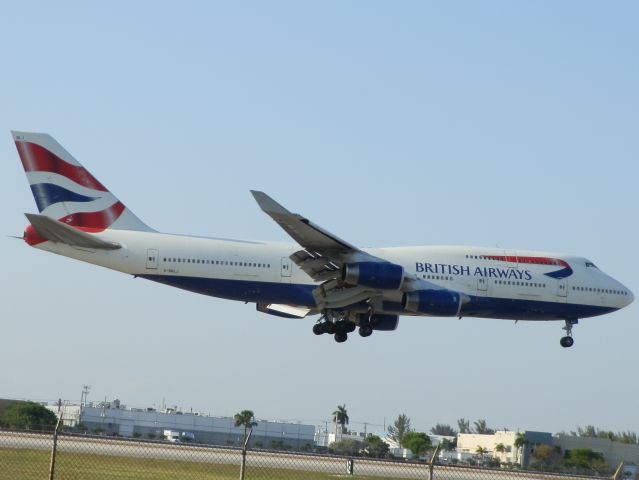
(628, 297)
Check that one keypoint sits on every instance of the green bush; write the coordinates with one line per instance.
(28, 415)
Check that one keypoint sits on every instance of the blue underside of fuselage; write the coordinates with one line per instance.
(298, 294)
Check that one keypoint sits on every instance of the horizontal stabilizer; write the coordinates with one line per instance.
(59, 232)
(286, 311)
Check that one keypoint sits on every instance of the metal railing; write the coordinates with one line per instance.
(40, 455)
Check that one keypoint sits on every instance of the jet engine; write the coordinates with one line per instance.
(439, 303)
(380, 321)
(385, 276)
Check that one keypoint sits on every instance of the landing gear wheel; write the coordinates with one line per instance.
(345, 326)
(566, 342)
(365, 331)
(341, 337)
(318, 328)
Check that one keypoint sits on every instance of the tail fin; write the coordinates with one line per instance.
(64, 190)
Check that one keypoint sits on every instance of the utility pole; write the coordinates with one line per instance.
(85, 394)
(83, 399)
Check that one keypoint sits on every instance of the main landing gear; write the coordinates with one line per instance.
(339, 326)
(339, 329)
(568, 341)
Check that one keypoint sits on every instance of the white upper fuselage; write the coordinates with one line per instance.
(502, 283)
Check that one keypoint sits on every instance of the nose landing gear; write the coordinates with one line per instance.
(567, 341)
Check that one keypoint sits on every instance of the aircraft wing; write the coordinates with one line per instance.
(303, 231)
(324, 253)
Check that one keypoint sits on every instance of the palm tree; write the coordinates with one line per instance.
(500, 448)
(245, 418)
(340, 417)
(443, 429)
(463, 425)
(520, 441)
(481, 451)
(482, 428)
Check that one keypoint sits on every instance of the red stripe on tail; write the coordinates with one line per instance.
(95, 221)
(38, 159)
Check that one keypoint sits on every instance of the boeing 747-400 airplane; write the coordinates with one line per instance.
(319, 274)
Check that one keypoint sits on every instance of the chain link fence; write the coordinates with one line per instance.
(30, 455)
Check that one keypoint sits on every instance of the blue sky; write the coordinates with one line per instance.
(509, 124)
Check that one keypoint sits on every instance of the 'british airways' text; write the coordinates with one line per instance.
(488, 272)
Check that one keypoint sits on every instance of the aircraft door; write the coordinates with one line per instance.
(152, 259)
(286, 269)
(562, 289)
(482, 286)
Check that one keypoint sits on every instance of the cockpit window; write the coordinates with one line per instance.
(591, 265)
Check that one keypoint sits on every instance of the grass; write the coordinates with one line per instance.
(26, 464)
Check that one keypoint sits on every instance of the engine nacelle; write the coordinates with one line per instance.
(439, 303)
(386, 276)
(380, 321)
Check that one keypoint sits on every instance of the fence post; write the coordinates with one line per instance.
(243, 464)
(54, 449)
(619, 472)
(432, 463)
(350, 464)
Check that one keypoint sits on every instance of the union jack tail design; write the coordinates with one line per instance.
(64, 190)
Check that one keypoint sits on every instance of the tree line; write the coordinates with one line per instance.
(627, 437)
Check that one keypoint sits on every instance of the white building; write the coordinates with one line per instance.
(614, 453)
(468, 445)
(324, 438)
(111, 418)
(70, 414)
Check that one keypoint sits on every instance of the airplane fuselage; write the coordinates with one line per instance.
(349, 287)
(504, 284)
